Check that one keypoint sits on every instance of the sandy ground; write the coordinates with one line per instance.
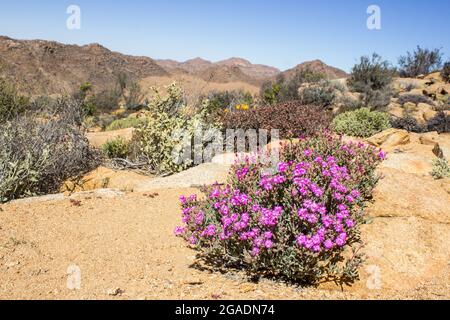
(125, 249)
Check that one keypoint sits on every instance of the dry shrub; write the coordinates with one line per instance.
(292, 119)
(39, 151)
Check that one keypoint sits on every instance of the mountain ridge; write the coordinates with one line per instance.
(50, 67)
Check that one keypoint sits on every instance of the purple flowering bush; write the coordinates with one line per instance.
(299, 222)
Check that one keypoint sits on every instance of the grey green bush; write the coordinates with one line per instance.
(159, 142)
(441, 169)
(361, 123)
(39, 151)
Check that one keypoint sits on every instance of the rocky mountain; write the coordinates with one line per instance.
(39, 67)
(257, 71)
(233, 69)
(317, 66)
(48, 67)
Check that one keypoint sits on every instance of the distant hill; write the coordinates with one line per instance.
(48, 67)
(317, 66)
(39, 67)
(233, 69)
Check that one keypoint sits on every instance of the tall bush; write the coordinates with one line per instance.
(285, 89)
(420, 62)
(372, 77)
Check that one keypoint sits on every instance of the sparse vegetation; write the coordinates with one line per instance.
(372, 77)
(445, 73)
(129, 122)
(414, 98)
(116, 148)
(11, 102)
(322, 94)
(420, 62)
(441, 169)
(361, 123)
(285, 90)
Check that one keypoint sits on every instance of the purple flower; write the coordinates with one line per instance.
(179, 231)
(209, 231)
(328, 244)
(282, 166)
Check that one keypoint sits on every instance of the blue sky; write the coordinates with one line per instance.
(279, 33)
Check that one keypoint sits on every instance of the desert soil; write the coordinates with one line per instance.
(123, 242)
(126, 243)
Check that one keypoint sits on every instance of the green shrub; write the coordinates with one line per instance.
(361, 123)
(445, 73)
(11, 102)
(160, 141)
(420, 62)
(130, 122)
(38, 153)
(117, 148)
(372, 77)
(441, 169)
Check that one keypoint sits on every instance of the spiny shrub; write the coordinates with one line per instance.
(441, 169)
(160, 141)
(361, 123)
(39, 152)
(414, 98)
(129, 122)
(372, 77)
(292, 119)
(407, 123)
(440, 123)
(116, 148)
(445, 73)
(419, 62)
(11, 102)
(299, 223)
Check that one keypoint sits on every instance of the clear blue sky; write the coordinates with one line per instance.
(279, 33)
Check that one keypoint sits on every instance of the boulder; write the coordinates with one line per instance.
(103, 177)
(389, 139)
(395, 109)
(403, 194)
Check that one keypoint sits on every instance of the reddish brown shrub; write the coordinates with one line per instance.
(292, 119)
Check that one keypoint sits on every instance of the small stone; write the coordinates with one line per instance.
(115, 292)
